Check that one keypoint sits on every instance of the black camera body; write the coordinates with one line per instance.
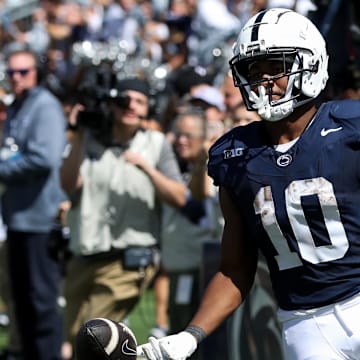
(96, 92)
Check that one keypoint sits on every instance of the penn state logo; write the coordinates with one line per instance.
(284, 160)
(231, 153)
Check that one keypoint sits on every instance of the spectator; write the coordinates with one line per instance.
(116, 188)
(32, 147)
(213, 16)
(245, 9)
(154, 33)
(236, 112)
(190, 149)
(301, 6)
(185, 230)
(232, 95)
(181, 81)
(36, 38)
(122, 19)
(161, 300)
(211, 101)
(242, 116)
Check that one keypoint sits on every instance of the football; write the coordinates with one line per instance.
(100, 339)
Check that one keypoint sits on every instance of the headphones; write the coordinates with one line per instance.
(39, 61)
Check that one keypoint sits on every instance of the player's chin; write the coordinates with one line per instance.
(276, 97)
(104, 339)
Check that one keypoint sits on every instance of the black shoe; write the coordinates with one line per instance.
(10, 355)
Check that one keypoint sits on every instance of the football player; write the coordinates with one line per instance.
(289, 186)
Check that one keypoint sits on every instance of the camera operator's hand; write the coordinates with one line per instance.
(71, 179)
(175, 196)
(137, 160)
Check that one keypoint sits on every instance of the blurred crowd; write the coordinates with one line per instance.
(86, 49)
(161, 39)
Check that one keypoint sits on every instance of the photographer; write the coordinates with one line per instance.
(116, 188)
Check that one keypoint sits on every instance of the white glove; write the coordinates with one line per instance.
(174, 347)
(261, 102)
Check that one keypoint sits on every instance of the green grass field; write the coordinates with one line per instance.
(142, 318)
(3, 338)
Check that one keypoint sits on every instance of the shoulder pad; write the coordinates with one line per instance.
(238, 137)
(228, 149)
(345, 109)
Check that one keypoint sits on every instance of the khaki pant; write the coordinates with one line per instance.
(101, 288)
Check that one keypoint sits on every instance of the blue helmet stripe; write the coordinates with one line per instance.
(255, 29)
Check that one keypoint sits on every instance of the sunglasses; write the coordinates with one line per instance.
(22, 72)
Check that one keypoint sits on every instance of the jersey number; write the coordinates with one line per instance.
(308, 250)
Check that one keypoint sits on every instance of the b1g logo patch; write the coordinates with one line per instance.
(231, 153)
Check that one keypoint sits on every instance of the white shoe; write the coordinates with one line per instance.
(4, 320)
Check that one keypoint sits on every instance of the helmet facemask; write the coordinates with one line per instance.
(257, 93)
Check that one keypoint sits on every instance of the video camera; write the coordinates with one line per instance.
(96, 91)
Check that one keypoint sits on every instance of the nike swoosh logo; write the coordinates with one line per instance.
(325, 132)
(126, 350)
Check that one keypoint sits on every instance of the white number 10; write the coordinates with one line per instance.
(309, 251)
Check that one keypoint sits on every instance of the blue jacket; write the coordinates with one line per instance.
(31, 176)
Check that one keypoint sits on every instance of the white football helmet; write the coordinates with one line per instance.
(287, 36)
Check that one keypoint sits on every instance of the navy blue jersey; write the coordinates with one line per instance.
(302, 207)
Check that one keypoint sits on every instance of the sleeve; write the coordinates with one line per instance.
(44, 148)
(345, 109)
(168, 164)
(225, 158)
(216, 166)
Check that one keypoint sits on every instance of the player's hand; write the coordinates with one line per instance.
(173, 347)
